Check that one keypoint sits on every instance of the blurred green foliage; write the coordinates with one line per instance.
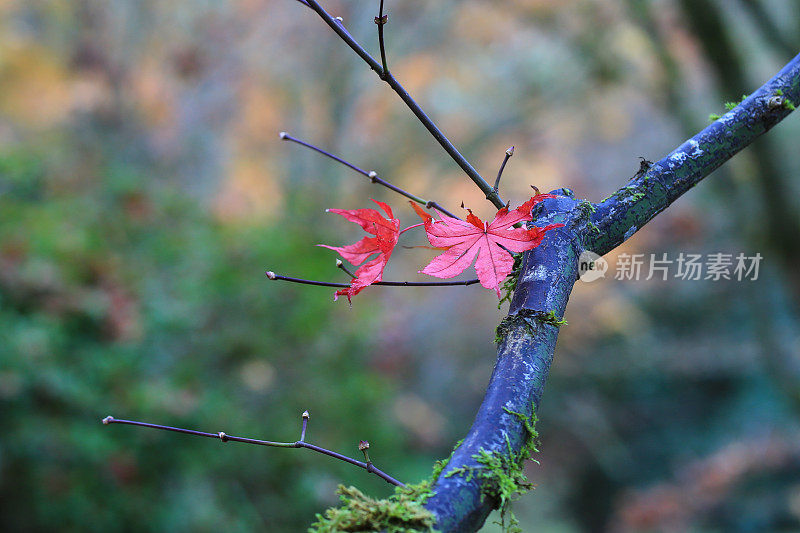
(119, 298)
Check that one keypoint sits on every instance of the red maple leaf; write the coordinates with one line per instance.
(386, 231)
(491, 242)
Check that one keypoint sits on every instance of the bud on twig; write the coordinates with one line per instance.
(271, 274)
(364, 447)
(306, 416)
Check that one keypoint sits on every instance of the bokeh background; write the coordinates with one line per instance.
(144, 191)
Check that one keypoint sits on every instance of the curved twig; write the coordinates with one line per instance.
(224, 437)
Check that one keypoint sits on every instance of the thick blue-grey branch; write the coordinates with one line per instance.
(523, 363)
(549, 272)
(631, 207)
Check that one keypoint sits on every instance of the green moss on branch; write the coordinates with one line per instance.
(403, 511)
(528, 319)
(502, 475)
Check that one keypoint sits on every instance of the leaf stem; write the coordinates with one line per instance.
(426, 121)
(411, 227)
(224, 437)
(273, 276)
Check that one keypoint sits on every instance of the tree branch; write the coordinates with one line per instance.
(632, 206)
(224, 437)
(276, 277)
(381, 21)
(462, 502)
(525, 352)
(451, 150)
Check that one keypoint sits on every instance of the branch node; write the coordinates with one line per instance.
(373, 176)
(776, 102)
(271, 274)
(338, 19)
(283, 135)
(380, 21)
(222, 436)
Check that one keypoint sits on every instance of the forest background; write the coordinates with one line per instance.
(144, 191)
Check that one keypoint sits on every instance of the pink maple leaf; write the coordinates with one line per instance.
(491, 242)
(386, 231)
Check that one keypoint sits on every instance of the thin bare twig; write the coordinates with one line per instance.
(509, 153)
(426, 121)
(340, 266)
(224, 437)
(381, 21)
(273, 276)
(306, 415)
(371, 175)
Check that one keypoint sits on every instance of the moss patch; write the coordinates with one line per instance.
(630, 191)
(403, 511)
(528, 319)
(585, 210)
(729, 106)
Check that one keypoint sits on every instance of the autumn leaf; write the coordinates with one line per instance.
(386, 231)
(490, 242)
